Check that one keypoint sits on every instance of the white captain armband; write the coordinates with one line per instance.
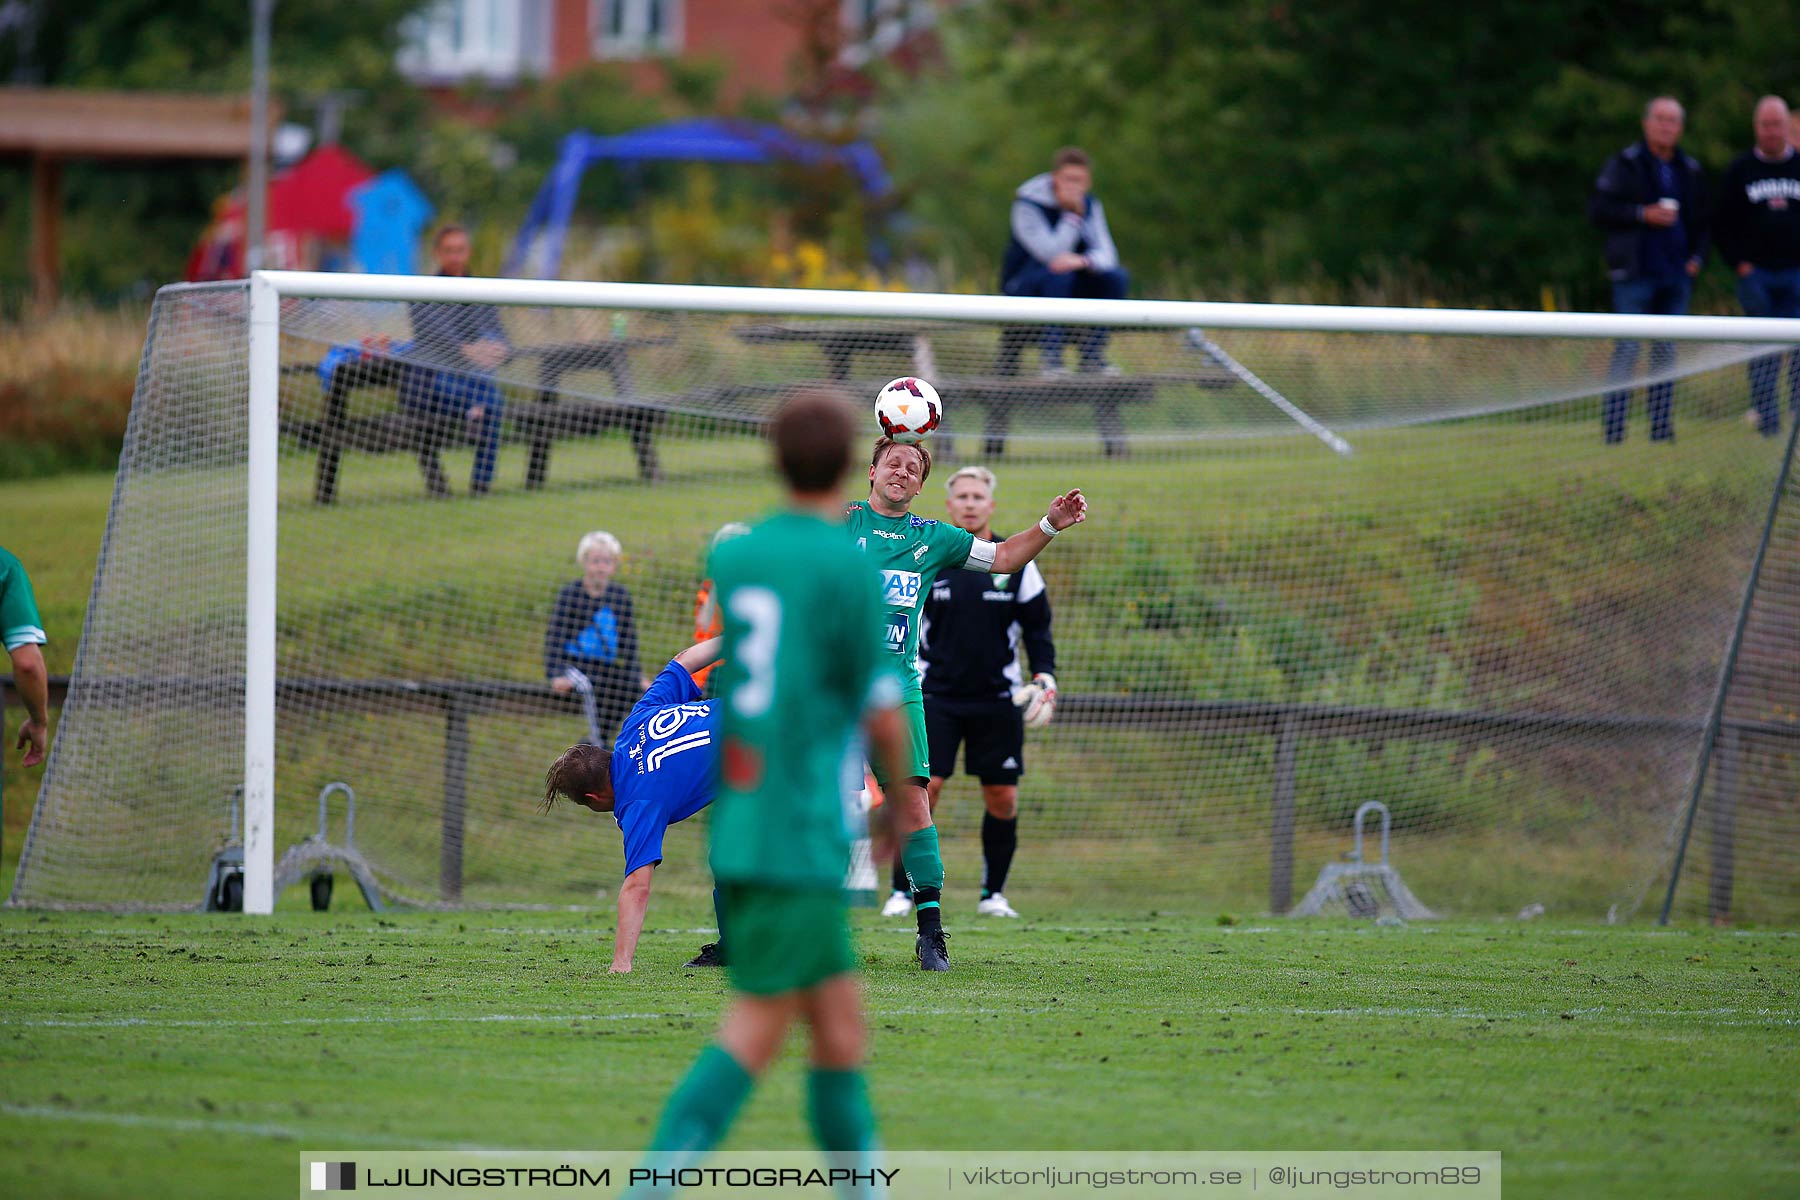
(981, 556)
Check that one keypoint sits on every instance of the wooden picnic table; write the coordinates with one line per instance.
(427, 433)
(841, 341)
(612, 355)
(1000, 396)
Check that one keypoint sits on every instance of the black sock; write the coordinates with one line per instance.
(930, 917)
(901, 883)
(998, 841)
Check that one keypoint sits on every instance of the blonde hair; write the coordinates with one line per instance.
(973, 471)
(599, 539)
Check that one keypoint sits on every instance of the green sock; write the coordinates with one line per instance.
(924, 866)
(703, 1105)
(843, 1123)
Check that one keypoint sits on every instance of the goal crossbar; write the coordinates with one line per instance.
(1027, 310)
(267, 290)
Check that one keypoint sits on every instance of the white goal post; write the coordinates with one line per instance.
(269, 289)
(1551, 639)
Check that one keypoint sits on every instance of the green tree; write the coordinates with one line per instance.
(1247, 146)
(129, 226)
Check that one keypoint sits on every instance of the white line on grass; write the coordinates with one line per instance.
(289, 1133)
(422, 1018)
(1172, 924)
(434, 1018)
(1755, 1018)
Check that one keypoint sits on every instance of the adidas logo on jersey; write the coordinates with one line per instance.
(1011, 764)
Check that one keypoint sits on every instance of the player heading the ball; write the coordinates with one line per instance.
(909, 552)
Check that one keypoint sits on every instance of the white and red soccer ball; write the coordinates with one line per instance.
(908, 409)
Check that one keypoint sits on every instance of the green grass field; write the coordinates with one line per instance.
(197, 1056)
(194, 1057)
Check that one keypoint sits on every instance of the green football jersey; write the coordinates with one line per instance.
(20, 624)
(799, 672)
(907, 552)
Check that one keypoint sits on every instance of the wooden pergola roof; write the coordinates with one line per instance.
(49, 125)
(66, 123)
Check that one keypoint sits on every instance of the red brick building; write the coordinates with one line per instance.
(761, 42)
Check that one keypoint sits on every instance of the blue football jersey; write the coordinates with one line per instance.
(664, 764)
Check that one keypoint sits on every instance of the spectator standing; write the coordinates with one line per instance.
(468, 343)
(1651, 201)
(592, 638)
(1060, 246)
(1759, 236)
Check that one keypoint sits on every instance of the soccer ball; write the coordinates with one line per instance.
(908, 409)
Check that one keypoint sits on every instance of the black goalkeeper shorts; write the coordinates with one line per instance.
(994, 731)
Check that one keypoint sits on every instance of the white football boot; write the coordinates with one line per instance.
(995, 906)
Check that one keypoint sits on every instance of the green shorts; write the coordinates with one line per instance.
(783, 939)
(918, 746)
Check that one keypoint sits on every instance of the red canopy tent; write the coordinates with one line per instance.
(308, 206)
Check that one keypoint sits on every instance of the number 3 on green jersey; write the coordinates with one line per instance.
(760, 609)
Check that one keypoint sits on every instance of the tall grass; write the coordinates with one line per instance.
(65, 388)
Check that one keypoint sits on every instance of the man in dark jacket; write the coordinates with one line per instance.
(1651, 201)
(465, 343)
(1060, 246)
(1759, 235)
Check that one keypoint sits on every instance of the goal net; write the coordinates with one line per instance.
(1334, 556)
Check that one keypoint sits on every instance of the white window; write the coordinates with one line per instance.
(456, 40)
(635, 28)
(875, 28)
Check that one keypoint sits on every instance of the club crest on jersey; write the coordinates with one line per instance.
(919, 554)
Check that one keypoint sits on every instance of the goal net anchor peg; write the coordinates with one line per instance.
(225, 878)
(314, 857)
(1359, 887)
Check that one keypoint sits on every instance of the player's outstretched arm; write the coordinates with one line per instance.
(1068, 509)
(634, 901)
(701, 655)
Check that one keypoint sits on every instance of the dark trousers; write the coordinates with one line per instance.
(1776, 293)
(449, 396)
(1665, 297)
(1039, 280)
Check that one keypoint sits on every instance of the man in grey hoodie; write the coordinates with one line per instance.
(1060, 246)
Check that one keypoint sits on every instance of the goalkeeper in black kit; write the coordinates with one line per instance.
(976, 696)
